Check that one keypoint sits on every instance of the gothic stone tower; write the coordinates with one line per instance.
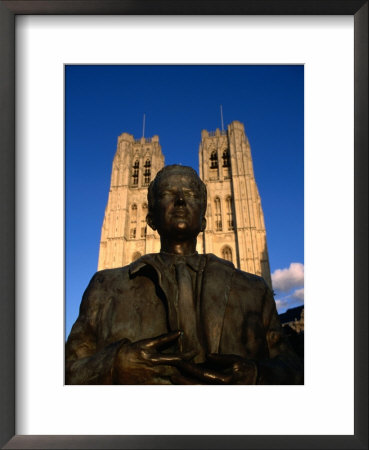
(235, 222)
(124, 235)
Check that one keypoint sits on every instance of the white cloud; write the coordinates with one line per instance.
(281, 304)
(290, 301)
(298, 294)
(285, 280)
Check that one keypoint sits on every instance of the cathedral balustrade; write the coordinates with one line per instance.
(144, 140)
(217, 133)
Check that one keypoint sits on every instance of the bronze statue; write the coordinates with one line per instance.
(178, 317)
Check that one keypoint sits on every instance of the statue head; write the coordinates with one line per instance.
(177, 202)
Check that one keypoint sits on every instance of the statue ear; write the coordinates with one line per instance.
(203, 224)
(150, 222)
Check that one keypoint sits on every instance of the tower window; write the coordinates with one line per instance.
(213, 160)
(132, 233)
(229, 213)
(218, 215)
(147, 172)
(227, 253)
(226, 159)
(135, 170)
(143, 221)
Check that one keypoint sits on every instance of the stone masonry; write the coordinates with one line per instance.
(125, 235)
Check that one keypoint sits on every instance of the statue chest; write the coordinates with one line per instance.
(134, 311)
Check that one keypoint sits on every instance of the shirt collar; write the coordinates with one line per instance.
(193, 261)
(145, 260)
(159, 259)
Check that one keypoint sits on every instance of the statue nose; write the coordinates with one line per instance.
(180, 199)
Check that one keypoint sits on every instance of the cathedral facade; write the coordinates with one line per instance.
(235, 228)
(125, 235)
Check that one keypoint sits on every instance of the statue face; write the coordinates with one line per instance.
(178, 208)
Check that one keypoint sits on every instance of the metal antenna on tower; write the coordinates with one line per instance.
(143, 126)
(221, 116)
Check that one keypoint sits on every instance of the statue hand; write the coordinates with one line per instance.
(224, 369)
(142, 363)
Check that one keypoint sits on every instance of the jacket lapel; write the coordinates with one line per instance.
(215, 289)
(165, 280)
(214, 297)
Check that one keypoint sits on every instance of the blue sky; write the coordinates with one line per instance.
(101, 102)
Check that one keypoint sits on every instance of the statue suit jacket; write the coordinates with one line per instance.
(235, 310)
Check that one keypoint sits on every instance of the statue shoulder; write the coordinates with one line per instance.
(250, 277)
(222, 264)
(239, 277)
(104, 282)
(144, 260)
(108, 276)
(250, 281)
(112, 279)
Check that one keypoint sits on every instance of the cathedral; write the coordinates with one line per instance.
(235, 228)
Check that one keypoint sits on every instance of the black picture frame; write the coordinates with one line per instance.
(8, 10)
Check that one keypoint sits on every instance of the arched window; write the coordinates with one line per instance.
(226, 160)
(135, 170)
(229, 213)
(143, 220)
(213, 160)
(218, 214)
(147, 171)
(136, 255)
(132, 232)
(227, 253)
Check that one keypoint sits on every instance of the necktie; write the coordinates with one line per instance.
(186, 308)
